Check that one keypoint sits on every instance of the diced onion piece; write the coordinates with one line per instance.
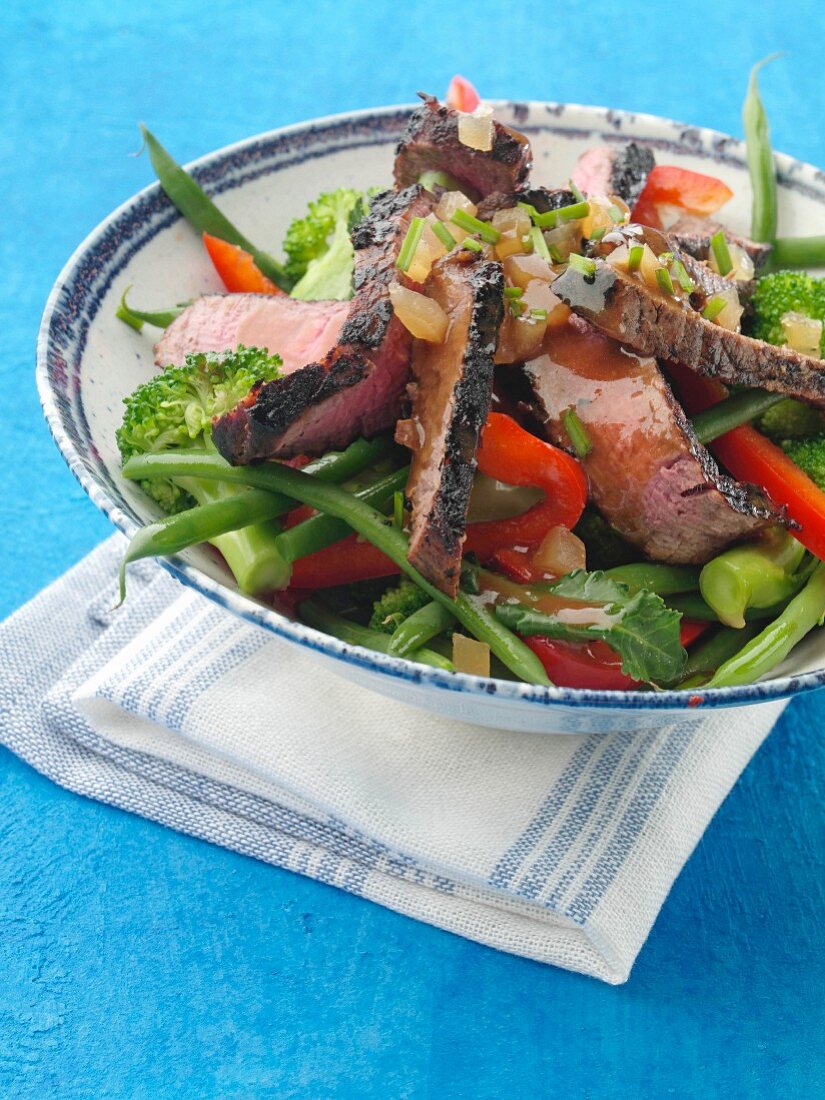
(605, 214)
(471, 656)
(564, 239)
(538, 295)
(802, 333)
(520, 338)
(475, 130)
(730, 315)
(420, 315)
(514, 226)
(648, 267)
(451, 201)
(619, 257)
(560, 553)
(434, 246)
(521, 270)
(743, 266)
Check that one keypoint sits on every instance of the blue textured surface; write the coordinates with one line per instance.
(137, 962)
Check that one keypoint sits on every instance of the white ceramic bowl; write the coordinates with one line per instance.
(87, 361)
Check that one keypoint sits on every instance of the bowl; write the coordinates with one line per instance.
(87, 361)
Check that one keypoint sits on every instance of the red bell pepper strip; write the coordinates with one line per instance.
(461, 95)
(513, 455)
(237, 269)
(508, 453)
(692, 192)
(750, 456)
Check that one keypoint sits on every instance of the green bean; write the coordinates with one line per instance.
(705, 657)
(205, 523)
(381, 532)
(322, 530)
(335, 466)
(798, 252)
(417, 629)
(136, 318)
(664, 580)
(775, 642)
(692, 606)
(760, 160)
(201, 212)
(755, 575)
(739, 408)
(354, 634)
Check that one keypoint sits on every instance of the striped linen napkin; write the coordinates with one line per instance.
(558, 848)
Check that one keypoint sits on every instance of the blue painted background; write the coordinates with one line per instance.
(134, 962)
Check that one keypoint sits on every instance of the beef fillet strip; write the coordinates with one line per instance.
(451, 395)
(610, 170)
(430, 143)
(655, 324)
(648, 474)
(359, 386)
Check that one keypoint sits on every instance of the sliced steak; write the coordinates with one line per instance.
(614, 170)
(692, 235)
(430, 143)
(359, 386)
(648, 474)
(655, 324)
(451, 395)
(300, 332)
(543, 198)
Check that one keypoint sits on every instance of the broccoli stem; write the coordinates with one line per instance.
(756, 575)
(768, 649)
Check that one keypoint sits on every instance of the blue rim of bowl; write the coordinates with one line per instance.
(608, 122)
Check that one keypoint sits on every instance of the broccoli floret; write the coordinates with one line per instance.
(784, 292)
(396, 605)
(175, 409)
(319, 252)
(604, 546)
(791, 419)
(809, 455)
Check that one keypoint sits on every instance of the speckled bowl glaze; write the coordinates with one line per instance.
(87, 361)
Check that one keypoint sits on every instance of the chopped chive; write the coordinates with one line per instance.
(685, 282)
(616, 214)
(666, 259)
(539, 314)
(539, 243)
(664, 280)
(577, 432)
(471, 244)
(475, 225)
(411, 242)
(513, 292)
(555, 254)
(516, 307)
(574, 212)
(548, 220)
(721, 252)
(531, 210)
(634, 257)
(398, 509)
(583, 264)
(714, 308)
(576, 192)
(597, 234)
(444, 235)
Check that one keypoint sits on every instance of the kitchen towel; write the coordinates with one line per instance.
(558, 848)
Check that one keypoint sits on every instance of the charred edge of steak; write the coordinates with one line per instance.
(651, 324)
(379, 229)
(434, 126)
(435, 549)
(692, 235)
(742, 497)
(542, 198)
(632, 164)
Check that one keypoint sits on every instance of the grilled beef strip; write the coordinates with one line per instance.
(430, 142)
(543, 198)
(358, 388)
(655, 324)
(692, 235)
(300, 332)
(648, 474)
(451, 395)
(615, 170)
